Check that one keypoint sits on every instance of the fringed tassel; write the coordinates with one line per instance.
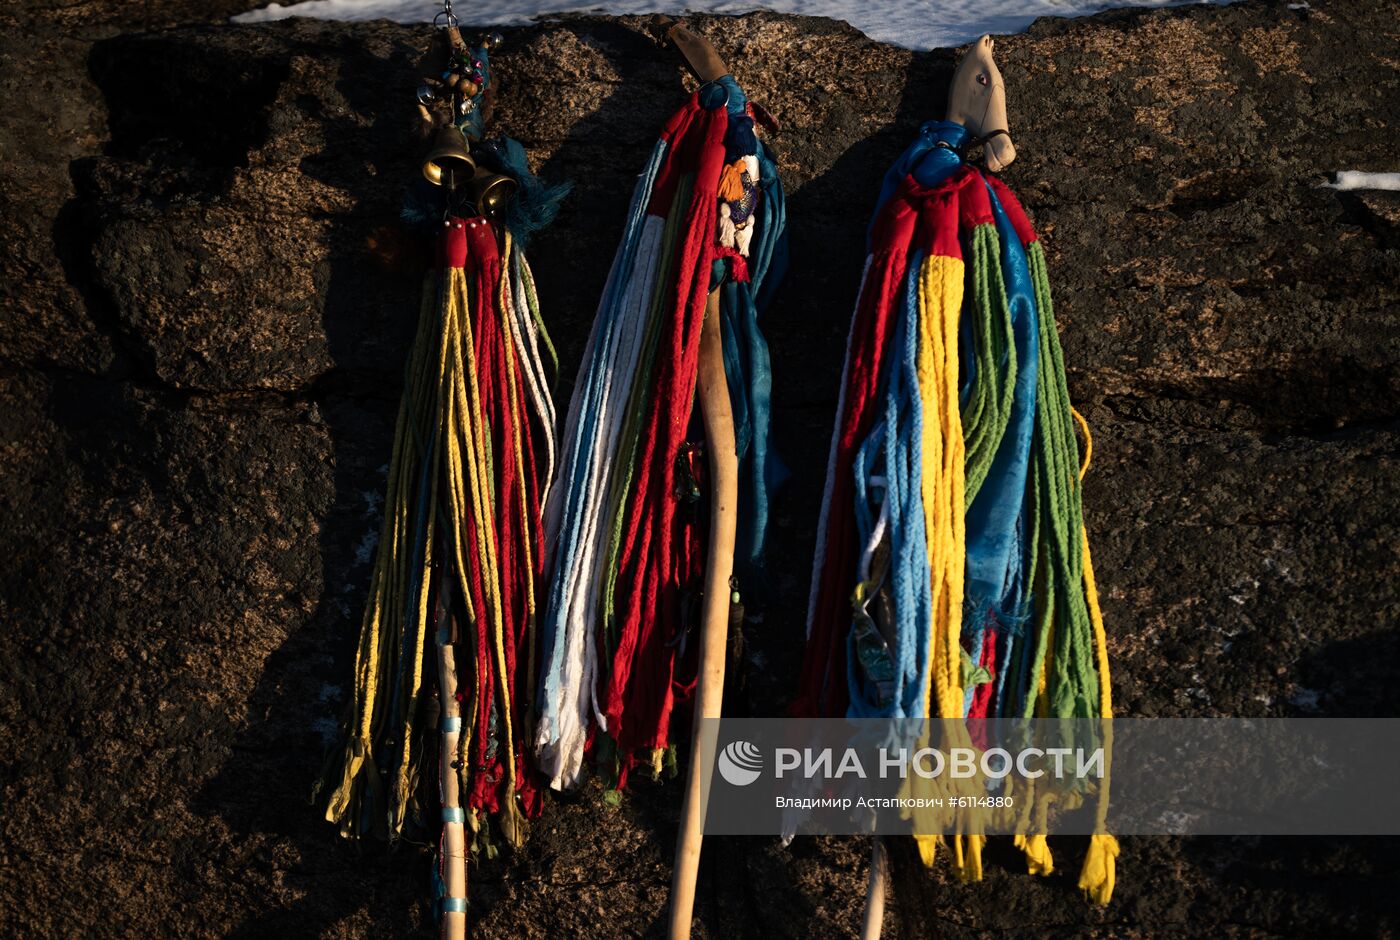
(461, 517)
(1097, 877)
(928, 848)
(625, 550)
(967, 857)
(1036, 847)
(1039, 861)
(731, 181)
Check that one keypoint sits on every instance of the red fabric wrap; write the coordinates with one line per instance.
(938, 222)
(452, 244)
(982, 694)
(913, 217)
(653, 559)
(473, 245)
(674, 134)
(1014, 210)
(974, 205)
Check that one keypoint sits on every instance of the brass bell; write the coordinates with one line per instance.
(450, 160)
(489, 192)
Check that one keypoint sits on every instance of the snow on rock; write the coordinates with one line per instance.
(1358, 179)
(912, 25)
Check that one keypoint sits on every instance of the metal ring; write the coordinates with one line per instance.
(713, 84)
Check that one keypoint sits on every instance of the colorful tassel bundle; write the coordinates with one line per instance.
(444, 673)
(952, 576)
(625, 526)
(461, 551)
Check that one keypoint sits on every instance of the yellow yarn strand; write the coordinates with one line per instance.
(941, 281)
(380, 623)
(429, 412)
(468, 498)
(1088, 441)
(1099, 874)
(486, 541)
(942, 488)
(457, 497)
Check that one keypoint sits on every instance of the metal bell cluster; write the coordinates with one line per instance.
(450, 162)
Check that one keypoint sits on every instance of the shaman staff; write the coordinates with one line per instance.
(703, 249)
(952, 578)
(448, 637)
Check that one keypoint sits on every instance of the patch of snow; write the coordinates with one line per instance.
(1304, 699)
(916, 26)
(372, 501)
(1358, 179)
(364, 552)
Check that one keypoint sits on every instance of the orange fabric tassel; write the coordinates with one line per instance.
(731, 182)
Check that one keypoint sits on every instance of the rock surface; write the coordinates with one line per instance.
(200, 360)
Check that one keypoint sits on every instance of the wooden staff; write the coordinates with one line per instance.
(875, 891)
(718, 418)
(454, 841)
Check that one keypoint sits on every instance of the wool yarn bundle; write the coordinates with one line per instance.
(436, 739)
(952, 577)
(625, 524)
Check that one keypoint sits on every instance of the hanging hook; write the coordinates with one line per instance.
(446, 19)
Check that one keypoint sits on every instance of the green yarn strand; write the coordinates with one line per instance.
(1058, 558)
(988, 409)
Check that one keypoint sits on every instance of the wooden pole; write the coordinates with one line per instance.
(718, 418)
(977, 100)
(454, 841)
(875, 891)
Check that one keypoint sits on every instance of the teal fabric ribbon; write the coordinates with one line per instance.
(996, 520)
(893, 450)
(748, 369)
(930, 159)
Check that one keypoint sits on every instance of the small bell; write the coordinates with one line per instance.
(492, 41)
(426, 95)
(450, 158)
(489, 192)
